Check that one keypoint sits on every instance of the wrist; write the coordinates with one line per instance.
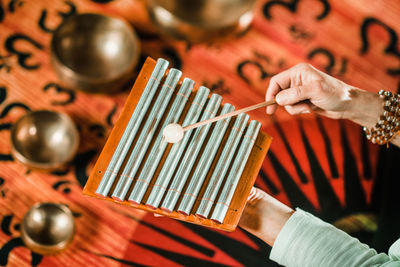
(275, 216)
(365, 108)
(264, 217)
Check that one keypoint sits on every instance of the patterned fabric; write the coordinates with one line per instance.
(326, 167)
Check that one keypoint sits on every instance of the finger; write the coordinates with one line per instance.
(301, 108)
(272, 90)
(252, 193)
(293, 95)
(277, 83)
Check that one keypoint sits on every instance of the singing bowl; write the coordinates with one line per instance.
(48, 228)
(200, 20)
(95, 53)
(44, 139)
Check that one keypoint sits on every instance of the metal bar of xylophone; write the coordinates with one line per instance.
(203, 179)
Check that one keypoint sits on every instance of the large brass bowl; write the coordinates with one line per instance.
(94, 52)
(44, 139)
(48, 228)
(201, 20)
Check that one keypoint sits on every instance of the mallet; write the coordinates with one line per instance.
(174, 132)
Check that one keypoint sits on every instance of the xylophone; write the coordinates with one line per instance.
(203, 179)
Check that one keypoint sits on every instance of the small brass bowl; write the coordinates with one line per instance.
(48, 228)
(44, 139)
(95, 53)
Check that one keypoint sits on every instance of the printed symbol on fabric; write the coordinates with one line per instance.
(98, 129)
(3, 190)
(70, 95)
(293, 8)
(300, 34)
(261, 63)
(14, 242)
(331, 66)
(391, 48)
(4, 63)
(62, 186)
(111, 115)
(4, 112)
(13, 45)
(81, 163)
(63, 14)
(11, 8)
(217, 87)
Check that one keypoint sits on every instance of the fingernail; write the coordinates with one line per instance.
(305, 112)
(279, 99)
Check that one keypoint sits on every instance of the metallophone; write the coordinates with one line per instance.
(205, 178)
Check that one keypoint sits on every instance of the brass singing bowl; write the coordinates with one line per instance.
(48, 228)
(95, 53)
(201, 20)
(44, 139)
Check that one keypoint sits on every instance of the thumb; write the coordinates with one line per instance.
(293, 95)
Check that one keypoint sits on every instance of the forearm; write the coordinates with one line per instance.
(307, 241)
(264, 216)
(365, 109)
(300, 239)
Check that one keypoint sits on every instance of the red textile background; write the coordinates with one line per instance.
(321, 165)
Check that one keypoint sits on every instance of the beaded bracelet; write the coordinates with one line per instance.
(389, 122)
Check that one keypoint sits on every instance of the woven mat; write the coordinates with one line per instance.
(321, 165)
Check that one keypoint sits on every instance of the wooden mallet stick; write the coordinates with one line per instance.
(230, 114)
(173, 133)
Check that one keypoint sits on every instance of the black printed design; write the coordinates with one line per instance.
(12, 6)
(300, 34)
(14, 243)
(261, 62)
(60, 90)
(12, 106)
(81, 163)
(241, 66)
(4, 157)
(4, 64)
(331, 61)
(98, 129)
(2, 13)
(110, 115)
(390, 49)
(63, 14)
(5, 223)
(292, 7)
(3, 191)
(62, 185)
(3, 94)
(22, 56)
(7, 126)
(217, 87)
(6, 249)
